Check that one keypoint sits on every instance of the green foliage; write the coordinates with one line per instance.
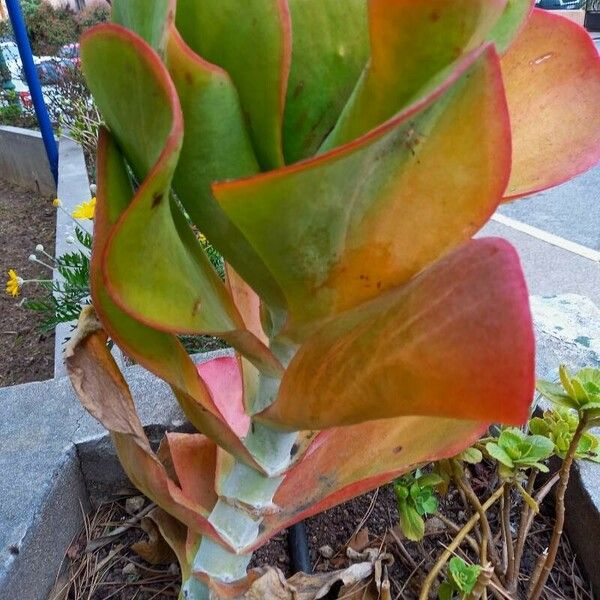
(64, 298)
(471, 456)
(559, 425)
(461, 580)
(515, 451)
(416, 498)
(10, 109)
(50, 28)
(580, 392)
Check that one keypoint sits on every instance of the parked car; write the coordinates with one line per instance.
(560, 4)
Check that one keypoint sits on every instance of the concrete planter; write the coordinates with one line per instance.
(53, 455)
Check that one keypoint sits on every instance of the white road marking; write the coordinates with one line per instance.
(549, 238)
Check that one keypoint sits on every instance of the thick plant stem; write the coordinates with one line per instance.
(245, 496)
(539, 582)
(456, 542)
(508, 539)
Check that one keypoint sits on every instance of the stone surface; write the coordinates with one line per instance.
(23, 160)
(53, 455)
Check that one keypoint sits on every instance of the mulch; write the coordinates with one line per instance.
(115, 572)
(26, 219)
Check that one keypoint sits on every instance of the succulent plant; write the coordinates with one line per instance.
(340, 156)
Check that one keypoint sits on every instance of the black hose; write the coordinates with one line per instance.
(298, 547)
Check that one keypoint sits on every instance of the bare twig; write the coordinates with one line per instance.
(486, 532)
(99, 542)
(508, 539)
(512, 582)
(455, 543)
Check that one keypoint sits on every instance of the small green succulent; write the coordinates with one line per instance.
(461, 580)
(416, 497)
(559, 425)
(516, 451)
(580, 392)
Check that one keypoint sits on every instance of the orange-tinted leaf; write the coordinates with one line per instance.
(552, 79)
(412, 46)
(159, 352)
(422, 349)
(396, 199)
(194, 459)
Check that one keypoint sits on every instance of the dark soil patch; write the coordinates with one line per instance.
(26, 219)
(116, 572)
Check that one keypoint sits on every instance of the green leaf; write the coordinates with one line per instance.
(148, 18)
(252, 42)
(411, 523)
(430, 480)
(330, 47)
(510, 23)
(216, 147)
(495, 451)
(555, 393)
(446, 591)
(405, 63)
(463, 576)
(471, 455)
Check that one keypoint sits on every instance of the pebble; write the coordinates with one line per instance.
(135, 504)
(326, 551)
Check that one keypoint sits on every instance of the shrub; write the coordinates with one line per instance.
(50, 28)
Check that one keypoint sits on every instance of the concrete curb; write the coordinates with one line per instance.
(23, 160)
(53, 455)
(73, 189)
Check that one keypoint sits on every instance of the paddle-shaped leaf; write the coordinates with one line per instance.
(386, 216)
(348, 461)
(104, 393)
(326, 64)
(158, 351)
(552, 64)
(148, 18)
(192, 298)
(412, 46)
(423, 349)
(252, 42)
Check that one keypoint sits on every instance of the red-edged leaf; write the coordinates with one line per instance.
(552, 79)
(422, 349)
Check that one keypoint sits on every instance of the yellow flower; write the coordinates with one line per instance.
(56, 203)
(85, 210)
(14, 283)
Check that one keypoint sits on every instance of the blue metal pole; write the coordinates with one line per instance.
(18, 25)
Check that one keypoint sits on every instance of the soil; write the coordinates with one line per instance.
(100, 575)
(26, 219)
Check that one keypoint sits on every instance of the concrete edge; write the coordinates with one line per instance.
(23, 160)
(73, 189)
